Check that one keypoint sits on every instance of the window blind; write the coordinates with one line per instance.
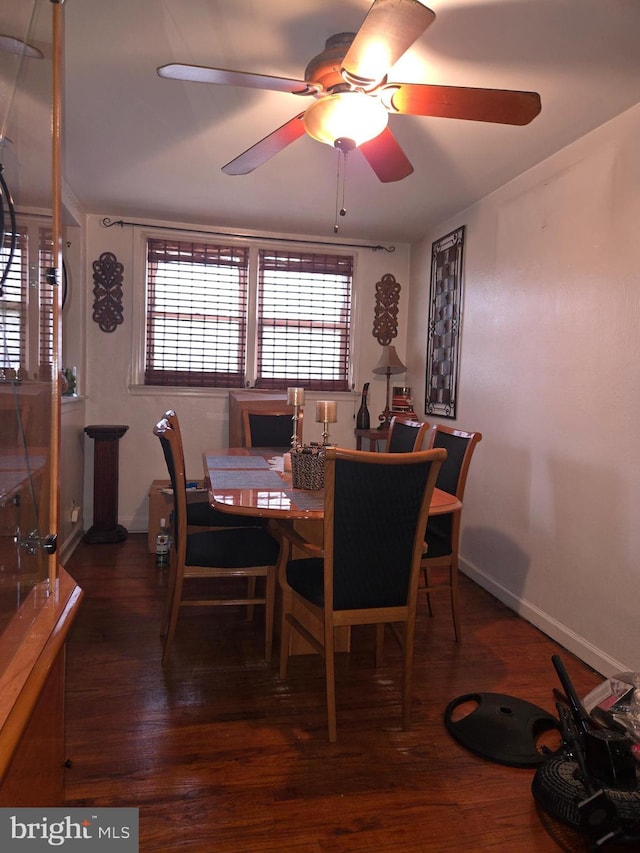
(13, 304)
(304, 318)
(47, 295)
(196, 314)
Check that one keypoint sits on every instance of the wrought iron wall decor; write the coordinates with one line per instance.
(65, 283)
(445, 315)
(107, 290)
(385, 321)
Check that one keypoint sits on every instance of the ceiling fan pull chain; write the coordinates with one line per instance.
(340, 188)
(335, 215)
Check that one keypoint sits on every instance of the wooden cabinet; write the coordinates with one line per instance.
(32, 697)
(38, 600)
(254, 399)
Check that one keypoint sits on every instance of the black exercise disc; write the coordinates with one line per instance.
(501, 728)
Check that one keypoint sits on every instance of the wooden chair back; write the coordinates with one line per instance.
(375, 511)
(172, 419)
(171, 443)
(200, 513)
(460, 446)
(264, 428)
(406, 434)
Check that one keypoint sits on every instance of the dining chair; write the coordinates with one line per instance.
(367, 570)
(406, 434)
(443, 531)
(270, 428)
(212, 554)
(200, 513)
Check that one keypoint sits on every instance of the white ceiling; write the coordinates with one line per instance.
(139, 146)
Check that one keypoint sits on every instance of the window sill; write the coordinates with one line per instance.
(222, 393)
(178, 391)
(72, 402)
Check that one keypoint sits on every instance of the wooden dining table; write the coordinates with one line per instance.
(254, 481)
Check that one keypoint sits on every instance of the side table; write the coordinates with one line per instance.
(105, 527)
(373, 436)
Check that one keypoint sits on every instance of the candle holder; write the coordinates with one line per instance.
(295, 398)
(326, 413)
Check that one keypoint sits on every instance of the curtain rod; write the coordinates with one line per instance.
(109, 223)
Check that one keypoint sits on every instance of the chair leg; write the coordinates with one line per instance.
(453, 595)
(173, 619)
(330, 681)
(269, 605)
(251, 593)
(285, 633)
(455, 610)
(168, 602)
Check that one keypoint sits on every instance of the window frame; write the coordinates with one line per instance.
(272, 274)
(35, 234)
(213, 327)
(254, 244)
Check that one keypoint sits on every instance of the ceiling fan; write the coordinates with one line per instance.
(352, 97)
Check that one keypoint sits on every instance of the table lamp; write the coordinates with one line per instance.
(326, 413)
(295, 398)
(389, 364)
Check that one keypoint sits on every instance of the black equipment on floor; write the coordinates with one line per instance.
(593, 784)
(501, 728)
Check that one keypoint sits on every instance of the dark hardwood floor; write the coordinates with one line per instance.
(220, 755)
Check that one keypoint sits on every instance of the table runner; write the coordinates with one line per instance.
(251, 478)
(247, 462)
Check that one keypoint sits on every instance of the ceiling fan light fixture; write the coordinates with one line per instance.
(372, 66)
(345, 115)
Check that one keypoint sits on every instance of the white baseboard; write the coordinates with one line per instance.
(568, 639)
(69, 545)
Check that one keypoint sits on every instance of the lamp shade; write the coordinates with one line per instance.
(295, 396)
(345, 116)
(326, 411)
(389, 362)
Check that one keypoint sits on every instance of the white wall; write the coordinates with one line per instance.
(203, 416)
(550, 372)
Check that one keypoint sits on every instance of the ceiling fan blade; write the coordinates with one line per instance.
(390, 28)
(266, 148)
(501, 106)
(202, 74)
(386, 157)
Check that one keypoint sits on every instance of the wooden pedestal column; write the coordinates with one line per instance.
(105, 527)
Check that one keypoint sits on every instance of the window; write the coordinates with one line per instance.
(47, 295)
(21, 350)
(227, 316)
(13, 302)
(304, 311)
(196, 314)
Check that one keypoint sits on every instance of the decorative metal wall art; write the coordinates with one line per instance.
(107, 290)
(385, 322)
(445, 315)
